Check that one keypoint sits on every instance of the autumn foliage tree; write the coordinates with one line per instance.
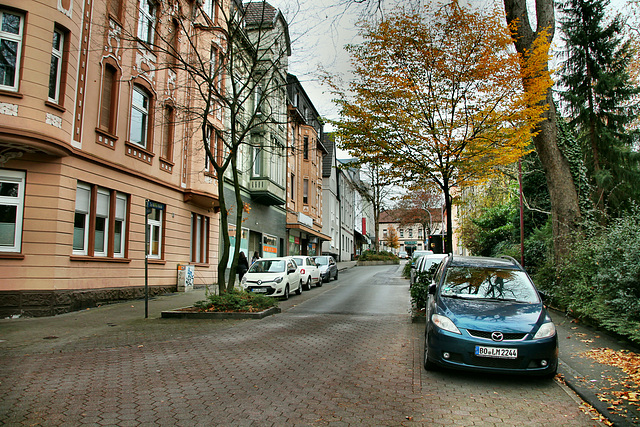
(437, 93)
(392, 239)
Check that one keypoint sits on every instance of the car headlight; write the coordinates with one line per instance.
(278, 279)
(546, 330)
(444, 323)
(244, 280)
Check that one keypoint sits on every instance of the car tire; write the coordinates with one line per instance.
(299, 289)
(320, 281)
(428, 365)
(286, 293)
(307, 287)
(336, 275)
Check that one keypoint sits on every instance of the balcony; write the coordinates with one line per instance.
(265, 191)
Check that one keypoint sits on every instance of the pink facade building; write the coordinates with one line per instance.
(92, 128)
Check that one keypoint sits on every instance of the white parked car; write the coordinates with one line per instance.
(309, 271)
(276, 277)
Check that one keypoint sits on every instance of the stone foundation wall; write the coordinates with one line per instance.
(362, 263)
(51, 303)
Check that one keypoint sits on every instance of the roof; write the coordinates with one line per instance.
(260, 12)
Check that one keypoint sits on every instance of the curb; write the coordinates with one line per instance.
(183, 314)
(571, 380)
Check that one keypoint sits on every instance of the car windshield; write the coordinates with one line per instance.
(299, 261)
(267, 266)
(322, 260)
(488, 283)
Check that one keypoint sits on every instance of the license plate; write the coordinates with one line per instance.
(497, 352)
(259, 290)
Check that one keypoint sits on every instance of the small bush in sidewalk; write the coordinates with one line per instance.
(377, 256)
(236, 301)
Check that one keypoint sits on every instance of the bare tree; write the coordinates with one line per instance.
(226, 67)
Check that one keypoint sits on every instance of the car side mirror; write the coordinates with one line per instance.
(432, 288)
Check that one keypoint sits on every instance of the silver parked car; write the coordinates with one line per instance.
(328, 267)
(309, 271)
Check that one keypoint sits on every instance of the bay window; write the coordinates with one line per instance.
(11, 32)
(100, 222)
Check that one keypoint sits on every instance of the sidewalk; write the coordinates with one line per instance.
(123, 324)
(607, 388)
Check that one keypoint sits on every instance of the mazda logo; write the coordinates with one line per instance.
(497, 336)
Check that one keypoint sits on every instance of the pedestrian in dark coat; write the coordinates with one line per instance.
(255, 257)
(243, 265)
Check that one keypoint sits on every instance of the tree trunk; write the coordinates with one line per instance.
(565, 209)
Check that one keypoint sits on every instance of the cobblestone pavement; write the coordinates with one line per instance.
(343, 367)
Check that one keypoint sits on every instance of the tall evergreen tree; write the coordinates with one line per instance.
(601, 101)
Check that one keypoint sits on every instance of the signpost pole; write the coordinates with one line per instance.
(146, 259)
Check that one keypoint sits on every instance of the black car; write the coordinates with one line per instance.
(328, 267)
(485, 314)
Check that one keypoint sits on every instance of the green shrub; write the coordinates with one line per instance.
(377, 256)
(236, 301)
(421, 286)
(600, 281)
(406, 270)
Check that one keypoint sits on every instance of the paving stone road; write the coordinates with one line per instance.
(342, 355)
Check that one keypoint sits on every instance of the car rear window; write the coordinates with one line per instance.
(488, 283)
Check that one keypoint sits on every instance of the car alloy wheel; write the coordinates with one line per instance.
(286, 293)
(307, 287)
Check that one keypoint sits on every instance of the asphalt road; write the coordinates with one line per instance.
(344, 354)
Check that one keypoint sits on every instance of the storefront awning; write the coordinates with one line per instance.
(308, 230)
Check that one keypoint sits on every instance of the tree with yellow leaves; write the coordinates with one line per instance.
(437, 93)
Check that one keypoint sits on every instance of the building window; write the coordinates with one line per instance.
(209, 7)
(217, 71)
(402, 232)
(11, 29)
(305, 191)
(155, 219)
(101, 226)
(146, 21)
(293, 187)
(173, 51)
(410, 232)
(108, 99)
(169, 129)
(11, 210)
(100, 222)
(199, 239)
(120, 225)
(207, 162)
(140, 104)
(306, 148)
(55, 71)
(257, 161)
(115, 8)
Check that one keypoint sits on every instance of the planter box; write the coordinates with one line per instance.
(186, 313)
(363, 263)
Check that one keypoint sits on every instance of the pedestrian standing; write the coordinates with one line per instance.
(243, 265)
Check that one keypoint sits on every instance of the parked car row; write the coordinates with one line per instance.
(279, 277)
